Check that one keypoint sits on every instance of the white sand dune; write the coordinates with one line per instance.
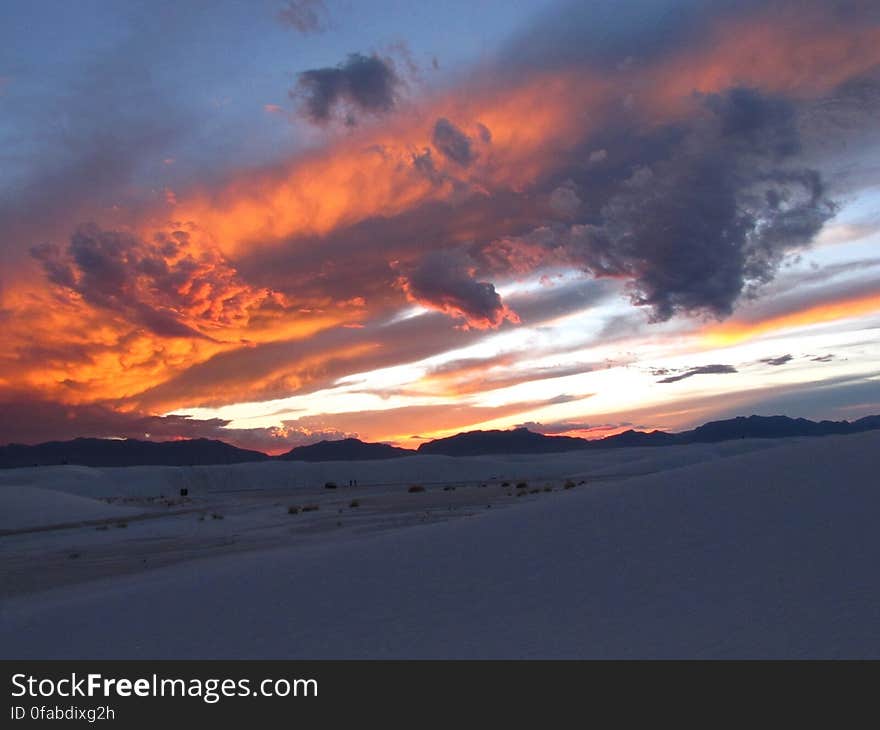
(751, 550)
(23, 507)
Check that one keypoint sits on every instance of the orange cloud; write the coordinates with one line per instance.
(735, 331)
(68, 346)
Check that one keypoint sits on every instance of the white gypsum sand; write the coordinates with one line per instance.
(739, 549)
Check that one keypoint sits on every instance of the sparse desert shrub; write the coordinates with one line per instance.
(548, 489)
(521, 494)
(483, 486)
(330, 485)
(534, 491)
(354, 503)
(522, 485)
(293, 509)
(415, 488)
(311, 508)
(568, 485)
(505, 484)
(122, 524)
(448, 488)
(216, 516)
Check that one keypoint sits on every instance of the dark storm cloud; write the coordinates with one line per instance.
(712, 216)
(305, 16)
(452, 143)
(362, 84)
(701, 370)
(444, 280)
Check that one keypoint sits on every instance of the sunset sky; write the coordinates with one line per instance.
(275, 222)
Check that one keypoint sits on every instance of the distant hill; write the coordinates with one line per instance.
(522, 441)
(517, 441)
(126, 452)
(345, 450)
(763, 427)
(195, 452)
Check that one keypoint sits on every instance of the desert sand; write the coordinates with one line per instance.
(751, 548)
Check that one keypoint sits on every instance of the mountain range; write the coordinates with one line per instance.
(197, 452)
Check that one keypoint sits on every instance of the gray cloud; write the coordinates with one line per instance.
(559, 427)
(444, 280)
(701, 370)
(362, 84)
(711, 213)
(452, 143)
(305, 16)
(776, 361)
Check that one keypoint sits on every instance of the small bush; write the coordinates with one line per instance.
(569, 485)
(522, 485)
(534, 491)
(505, 484)
(293, 509)
(354, 503)
(448, 488)
(548, 489)
(311, 508)
(415, 488)
(330, 485)
(122, 524)
(216, 516)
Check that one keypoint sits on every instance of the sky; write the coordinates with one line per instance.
(282, 221)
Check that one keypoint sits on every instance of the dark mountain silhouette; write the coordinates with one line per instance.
(634, 438)
(522, 441)
(126, 452)
(345, 450)
(517, 441)
(762, 427)
(131, 452)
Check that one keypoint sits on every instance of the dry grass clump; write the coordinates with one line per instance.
(415, 488)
